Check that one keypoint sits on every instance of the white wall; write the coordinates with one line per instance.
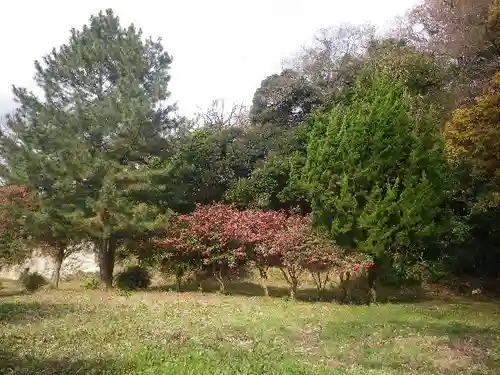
(83, 261)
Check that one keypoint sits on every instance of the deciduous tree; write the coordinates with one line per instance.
(334, 59)
(284, 99)
(472, 136)
(464, 34)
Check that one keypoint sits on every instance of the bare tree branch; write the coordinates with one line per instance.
(217, 116)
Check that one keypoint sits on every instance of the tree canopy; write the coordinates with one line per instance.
(386, 140)
(90, 143)
(285, 99)
(376, 170)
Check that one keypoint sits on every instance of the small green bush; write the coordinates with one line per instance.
(413, 274)
(133, 278)
(32, 281)
(91, 283)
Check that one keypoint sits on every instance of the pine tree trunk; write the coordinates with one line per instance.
(107, 261)
(56, 276)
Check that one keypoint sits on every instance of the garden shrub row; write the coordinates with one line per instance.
(220, 241)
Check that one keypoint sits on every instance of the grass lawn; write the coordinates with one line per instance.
(76, 332)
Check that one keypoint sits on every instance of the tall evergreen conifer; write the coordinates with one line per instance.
(377, 171)
(88, 147)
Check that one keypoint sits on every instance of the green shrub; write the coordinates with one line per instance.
(32, 281)
(133, 278)
(91, 283)
(408, 274)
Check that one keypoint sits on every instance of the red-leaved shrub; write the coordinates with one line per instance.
(223, 240)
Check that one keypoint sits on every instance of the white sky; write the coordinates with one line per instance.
(221, 48)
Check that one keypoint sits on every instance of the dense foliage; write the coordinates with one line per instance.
(133, 278)
(363, 146)
(377, 172)
(15, 202)
(88, 148)
(472, 143)
(222, 241)
(32, 281)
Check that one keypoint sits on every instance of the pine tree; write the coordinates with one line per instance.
(15, 202)
(89, 147)
(377, 172)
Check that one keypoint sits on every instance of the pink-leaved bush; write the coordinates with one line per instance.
(221, 239)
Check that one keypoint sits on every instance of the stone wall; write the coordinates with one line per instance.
(80, 261)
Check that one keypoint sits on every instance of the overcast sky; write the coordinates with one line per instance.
(221, 48)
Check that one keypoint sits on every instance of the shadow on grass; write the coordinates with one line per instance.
(13, 364)
(12, 293)
(239, 288)
(11, 288)
(418, 345)
(463, 344)
(357, 296)
(21, 312)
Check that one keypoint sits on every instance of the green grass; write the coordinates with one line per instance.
(72, 331)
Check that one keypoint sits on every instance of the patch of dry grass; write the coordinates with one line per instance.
(94, 332)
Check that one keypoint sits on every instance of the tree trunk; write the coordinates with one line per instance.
(263, 281)
(56, 276)
(293, 289)
(222, 287)
(107, 261)
(372, 292)
(320, 281)
(292, 278)
(344, 282)
(218, 275)
(179, 272)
